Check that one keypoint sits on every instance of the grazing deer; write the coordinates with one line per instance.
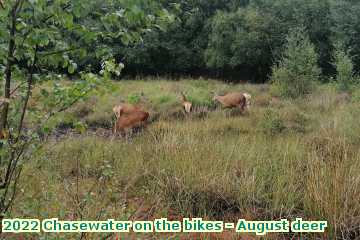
(185, 103)
(233, 100)
(130, 120)
(124, 108)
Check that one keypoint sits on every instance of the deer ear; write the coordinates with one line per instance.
(182, 96)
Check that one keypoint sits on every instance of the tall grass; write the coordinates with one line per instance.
(217, 167)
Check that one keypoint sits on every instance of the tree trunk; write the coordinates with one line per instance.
(9, 64)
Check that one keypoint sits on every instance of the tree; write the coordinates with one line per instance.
(243, 40)
(180, 49)
(314, 15)
(38, 37)
(346, 18)
(344, 69)
(297, 71)
(233, 39)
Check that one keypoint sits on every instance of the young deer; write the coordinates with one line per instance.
(185, 103)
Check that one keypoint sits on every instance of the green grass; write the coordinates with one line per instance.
(282, 159)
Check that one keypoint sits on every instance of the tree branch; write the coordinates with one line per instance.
(64, 8)
(28, 92)
(46, 54)
(13, 160)
(9, 204)
(11, 93)
(25, 35)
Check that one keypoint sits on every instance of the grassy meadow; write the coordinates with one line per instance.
(281, 159)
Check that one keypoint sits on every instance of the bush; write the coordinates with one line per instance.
(134, 98)
(296, 121)
(202, 101)
(345, 70)
(298, 69)
(272, 123)
(163, 99)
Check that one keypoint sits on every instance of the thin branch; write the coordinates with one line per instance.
(16, 88)
(21, 2)
(45, 54)
(51, 16)
(51, 114)
(7, 100)
(10, 166)
(71, 104)
(9, 204)
(7, 174)
(28, 93)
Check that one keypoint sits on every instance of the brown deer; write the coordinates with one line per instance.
(233, 100)
(130, 120)
(187, 105)
(125, 108)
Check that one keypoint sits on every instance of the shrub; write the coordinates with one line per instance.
(272, 123)
(297, 121)
(134, 98)
(202, 101)
(298, 69)
(164, 99)
(344, 68)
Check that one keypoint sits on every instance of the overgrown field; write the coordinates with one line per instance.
(282, 159)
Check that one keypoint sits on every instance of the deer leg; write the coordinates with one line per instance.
(115, 126)
(242, 108)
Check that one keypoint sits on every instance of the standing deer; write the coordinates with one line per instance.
(186, 103)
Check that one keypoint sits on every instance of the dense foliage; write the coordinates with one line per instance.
(239, 40)
(243, 39)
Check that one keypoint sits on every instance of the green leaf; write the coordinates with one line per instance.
(68, 21)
